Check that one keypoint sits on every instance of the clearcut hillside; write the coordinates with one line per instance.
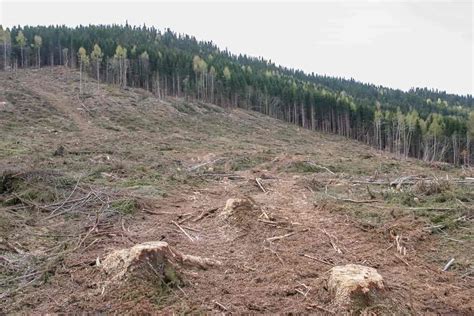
(84, 176)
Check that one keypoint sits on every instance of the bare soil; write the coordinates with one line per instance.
(132, 165)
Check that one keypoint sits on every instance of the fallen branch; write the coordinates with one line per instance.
(397, 183)
(191, 229)
(411, 181)
(157, 213)
(67, 199)
(220, 305)
(446, 267)
(230, 176)
(350, 200)
(401, 249)
(319, 166)
(204, 164)
(333, 244)
(467, 274)
(317, 259)
(431, 208)
(320, 308)
(206, 213)
(181, 228)
(276, 254)
(260, 185)
(271, 222)
(201, 262)
(353, 201)
(185, 217)
(280, 237)
(304, 292)
(402, 260)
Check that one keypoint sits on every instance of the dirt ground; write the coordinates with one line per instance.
(82, 177)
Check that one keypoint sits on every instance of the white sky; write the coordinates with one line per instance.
(399, 44)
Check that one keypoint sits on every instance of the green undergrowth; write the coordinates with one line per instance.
(36, 187)
(444, 205)
(126, 206)
(302, 167)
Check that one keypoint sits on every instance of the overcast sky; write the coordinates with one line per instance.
(400, 44)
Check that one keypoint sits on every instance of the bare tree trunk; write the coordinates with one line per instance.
(5, 55)
(212, 88)
(98, 74)
(468, 150)
(302, 115)
(80, 77)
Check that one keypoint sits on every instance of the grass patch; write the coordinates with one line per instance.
(126, 206)
(303, 167)
(401, 198)
(245, 163)
(38, 187)
(184, 107)
(12, 150)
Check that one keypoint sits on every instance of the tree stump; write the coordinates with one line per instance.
(354, 286)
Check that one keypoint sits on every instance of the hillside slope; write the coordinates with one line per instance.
(85, 176)
(427, 124)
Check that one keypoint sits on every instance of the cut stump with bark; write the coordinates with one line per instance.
(240, 211)
(354, 286)
(155, 255)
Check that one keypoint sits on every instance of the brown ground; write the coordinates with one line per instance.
(127, 173)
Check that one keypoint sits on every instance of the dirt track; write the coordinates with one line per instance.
(149, 156)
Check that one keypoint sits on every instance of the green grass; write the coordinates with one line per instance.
(245, 163)
(303, 167)
(126, 206)
(11, 149)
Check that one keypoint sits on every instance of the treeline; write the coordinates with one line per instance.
(426, 124)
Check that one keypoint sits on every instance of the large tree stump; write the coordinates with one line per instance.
(232, 206)
(157, 256)
(354, 285)
(241, 211)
